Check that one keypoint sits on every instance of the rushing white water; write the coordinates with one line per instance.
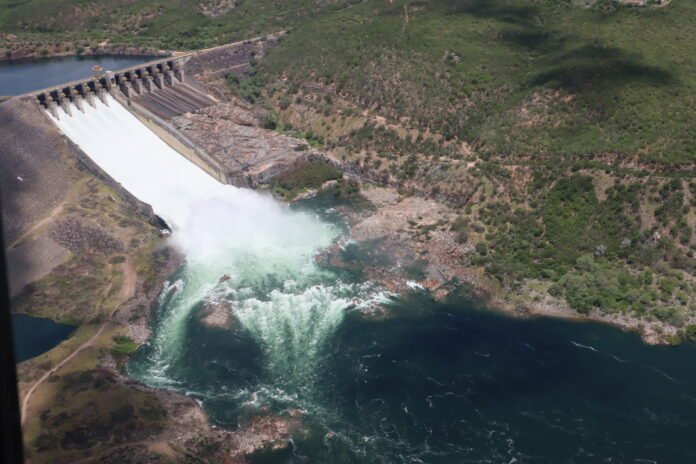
(265, 249)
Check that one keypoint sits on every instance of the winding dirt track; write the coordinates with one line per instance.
(25, 403)
(126, 292)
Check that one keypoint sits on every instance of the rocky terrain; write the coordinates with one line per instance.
(232, 133)
(411, 245)
(31, 186)
(215, 8)
(237, 58)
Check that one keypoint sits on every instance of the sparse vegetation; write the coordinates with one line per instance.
(303, 176)
(123, 347)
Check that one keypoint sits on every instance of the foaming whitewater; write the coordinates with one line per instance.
(241, 248)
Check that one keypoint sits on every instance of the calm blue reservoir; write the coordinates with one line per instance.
(35, 335)
(18, 77)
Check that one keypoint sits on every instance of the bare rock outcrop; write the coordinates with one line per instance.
(233, 135)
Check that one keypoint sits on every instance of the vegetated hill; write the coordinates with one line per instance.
(536, 78)
(171, 24)
(561, 131)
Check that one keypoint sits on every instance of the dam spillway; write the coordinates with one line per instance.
(159, 87)
(243, 250)
(118, 142)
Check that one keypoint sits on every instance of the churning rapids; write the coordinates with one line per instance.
(439, 383)
(241, 247)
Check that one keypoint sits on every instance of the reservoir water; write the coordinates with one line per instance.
(18, 77)
(437, 382)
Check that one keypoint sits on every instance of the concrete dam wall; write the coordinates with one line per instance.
(154, 92)
(158, 86)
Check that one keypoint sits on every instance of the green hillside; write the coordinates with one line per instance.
(542, 78)
(537, 78)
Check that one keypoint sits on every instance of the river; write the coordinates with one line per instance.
(437, 382)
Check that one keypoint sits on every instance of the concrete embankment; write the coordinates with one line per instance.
(172, 101)
(38, 167)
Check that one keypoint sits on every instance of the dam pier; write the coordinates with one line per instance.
(159, 86)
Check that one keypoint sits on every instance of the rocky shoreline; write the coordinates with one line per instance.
(398, 223)
(410, 220)
(12, 50)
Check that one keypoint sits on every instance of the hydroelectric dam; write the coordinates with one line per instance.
(158, 86)
(259, 332)
(171, 97)
(247, 256)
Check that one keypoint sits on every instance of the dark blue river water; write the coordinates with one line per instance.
(448, 383)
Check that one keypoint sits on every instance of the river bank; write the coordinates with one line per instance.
(417, 248)
(411, 219)
(480, 206)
